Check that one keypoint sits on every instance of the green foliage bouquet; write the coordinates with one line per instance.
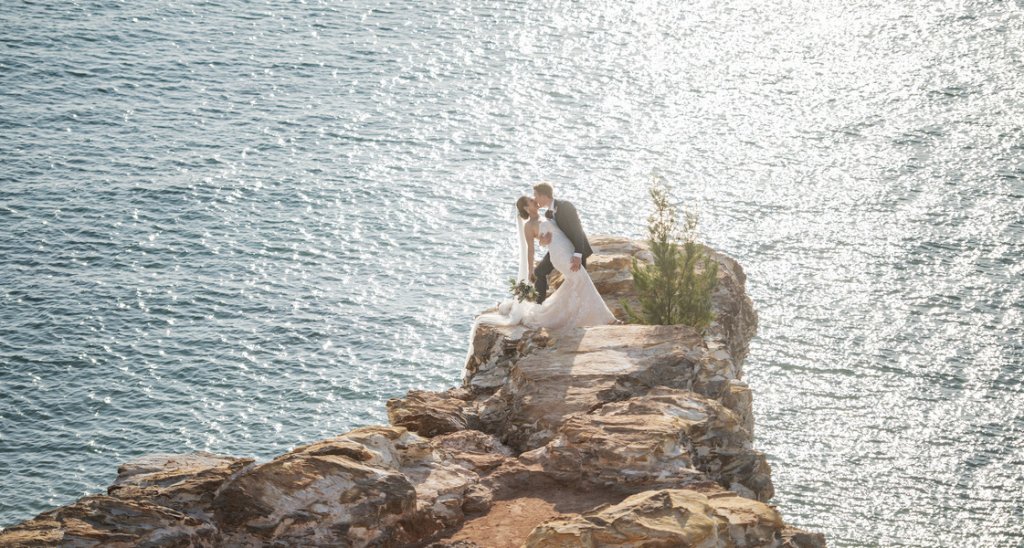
(522, 290)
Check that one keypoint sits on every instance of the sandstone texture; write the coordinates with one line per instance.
(374, 486)
(665, 438)
(99, 520)
(626, 435)
(186, 483)
(669, 518)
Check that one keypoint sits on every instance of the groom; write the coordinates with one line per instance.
(563, 214)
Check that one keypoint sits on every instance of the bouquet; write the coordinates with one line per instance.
(522, 291)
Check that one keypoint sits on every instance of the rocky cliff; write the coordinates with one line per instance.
(605, 436)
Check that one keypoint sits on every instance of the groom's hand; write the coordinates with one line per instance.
(545, 239)
(576, 262)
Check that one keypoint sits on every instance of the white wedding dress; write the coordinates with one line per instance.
(576, 303)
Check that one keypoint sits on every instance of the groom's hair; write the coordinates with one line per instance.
(544, 189)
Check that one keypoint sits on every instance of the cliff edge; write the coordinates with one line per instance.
(605, 436)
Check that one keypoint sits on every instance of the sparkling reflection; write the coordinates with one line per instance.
(237, 228)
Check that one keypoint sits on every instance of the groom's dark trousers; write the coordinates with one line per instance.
(568, 221)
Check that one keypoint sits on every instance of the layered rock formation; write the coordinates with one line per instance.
(668, 517)
(605, 436)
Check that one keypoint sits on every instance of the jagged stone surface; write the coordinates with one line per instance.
(493, 351)
(373, 486)
(798, 538)
(666, 438)
(343, 490)
(100, 520)
(434, 413)
(668, 518)
(186, 483)
(589, 367)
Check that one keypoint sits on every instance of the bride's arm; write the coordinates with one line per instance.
(529, 246)
(531, 234)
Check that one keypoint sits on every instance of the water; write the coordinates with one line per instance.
(238, 227)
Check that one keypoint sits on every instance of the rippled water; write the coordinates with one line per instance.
(243, 226)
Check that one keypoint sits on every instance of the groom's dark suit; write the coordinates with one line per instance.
(568, 221)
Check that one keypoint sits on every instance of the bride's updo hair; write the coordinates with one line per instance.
(521, 204)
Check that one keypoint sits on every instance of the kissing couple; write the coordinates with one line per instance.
(576, 303)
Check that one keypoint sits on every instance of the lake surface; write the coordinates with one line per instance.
(240, 226)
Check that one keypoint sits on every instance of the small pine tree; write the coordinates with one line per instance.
(672, 290)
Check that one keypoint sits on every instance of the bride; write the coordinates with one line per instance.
(576, 303)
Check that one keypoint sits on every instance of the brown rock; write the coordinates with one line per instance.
(492, 352)
(588, 367)
(798, 538)
(669, 518)
(472, 449)
(372, 486)
(510, 520)
(745, 522)
(100, 520)
(431, 413)
(446, 473)
(341, 491)
(738, 399)
(735, 318)
(186, 483)
(666, 438)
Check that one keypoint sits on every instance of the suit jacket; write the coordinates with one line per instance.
(569, 222)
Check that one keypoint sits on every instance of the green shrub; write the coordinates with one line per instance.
(677, 287)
